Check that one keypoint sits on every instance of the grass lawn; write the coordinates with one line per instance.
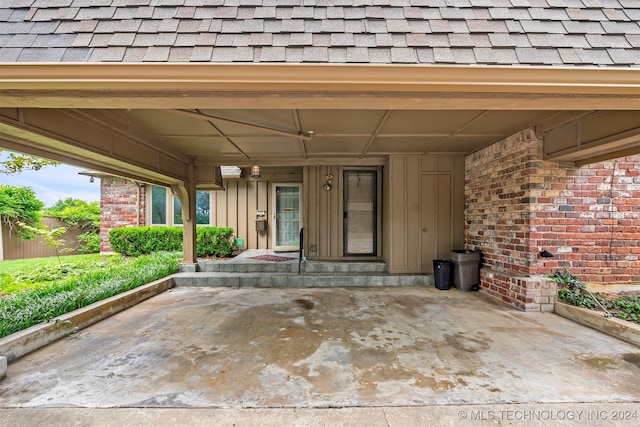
(22, 274)
(31, 264)
(38, 290)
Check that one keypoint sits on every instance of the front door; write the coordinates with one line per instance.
(360, 213)
(286, 202)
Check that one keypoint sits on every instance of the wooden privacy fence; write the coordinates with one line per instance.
(14, 247)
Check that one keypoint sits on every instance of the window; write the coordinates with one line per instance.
(165, 206)
(158, 205)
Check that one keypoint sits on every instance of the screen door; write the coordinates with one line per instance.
(360, 216)
(286, 216)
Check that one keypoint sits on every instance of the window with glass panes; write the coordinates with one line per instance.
(166, 209)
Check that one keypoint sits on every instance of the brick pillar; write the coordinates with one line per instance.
(517, 204)
(122, 204)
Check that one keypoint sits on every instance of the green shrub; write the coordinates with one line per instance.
(90, 242)
(214, 241)
(135, 241)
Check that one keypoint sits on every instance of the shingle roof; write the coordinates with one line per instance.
(601, 33)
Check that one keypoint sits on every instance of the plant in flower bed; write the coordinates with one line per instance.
(27, 299)
(623, 305)
(217, 242)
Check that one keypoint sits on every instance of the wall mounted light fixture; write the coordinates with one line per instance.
(255, 171)
(328, 182)
(546, 254)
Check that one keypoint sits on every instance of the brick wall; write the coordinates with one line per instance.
(516, 205)
(119, 207)
(590, 220)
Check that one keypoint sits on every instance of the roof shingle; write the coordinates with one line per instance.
(514, 32)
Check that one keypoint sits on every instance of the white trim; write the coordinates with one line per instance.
(274, 230)
(169, 210)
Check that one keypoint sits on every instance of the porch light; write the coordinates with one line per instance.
(255, 171)
(328, 181)
(546, 254)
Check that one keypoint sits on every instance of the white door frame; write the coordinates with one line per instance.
(274, 231)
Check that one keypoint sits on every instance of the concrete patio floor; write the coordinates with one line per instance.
(318, 348)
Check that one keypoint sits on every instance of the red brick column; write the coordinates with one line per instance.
(517, 205)
(122, 204)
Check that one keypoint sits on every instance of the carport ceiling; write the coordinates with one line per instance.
(165, 117)
(280, 136)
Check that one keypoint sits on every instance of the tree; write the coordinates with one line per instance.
(20, 205)
(78, 214)
(52, 238)
(16, 163)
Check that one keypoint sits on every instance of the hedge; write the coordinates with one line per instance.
(136, 241)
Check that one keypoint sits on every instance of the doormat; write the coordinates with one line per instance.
(274, 258)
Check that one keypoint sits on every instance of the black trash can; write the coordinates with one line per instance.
(442, 274)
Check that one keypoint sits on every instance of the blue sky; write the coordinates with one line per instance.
(54, 183)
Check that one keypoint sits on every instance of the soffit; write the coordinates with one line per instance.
(333, 133)
(296, 114)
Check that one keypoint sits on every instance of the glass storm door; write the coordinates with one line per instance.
(360, 216)
(286, 216)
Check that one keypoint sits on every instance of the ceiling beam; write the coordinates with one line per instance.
(378, 128)
(226, 138)
(609, 156)
(296, 119)
(460, 129)
(211, 119)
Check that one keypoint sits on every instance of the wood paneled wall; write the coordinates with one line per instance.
(402, 215)
(423, 210)
(323, 212)
(236, 206)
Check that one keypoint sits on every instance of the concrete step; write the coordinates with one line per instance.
(247, 267)
(344, 267)
(315, 267)
(276, 280)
